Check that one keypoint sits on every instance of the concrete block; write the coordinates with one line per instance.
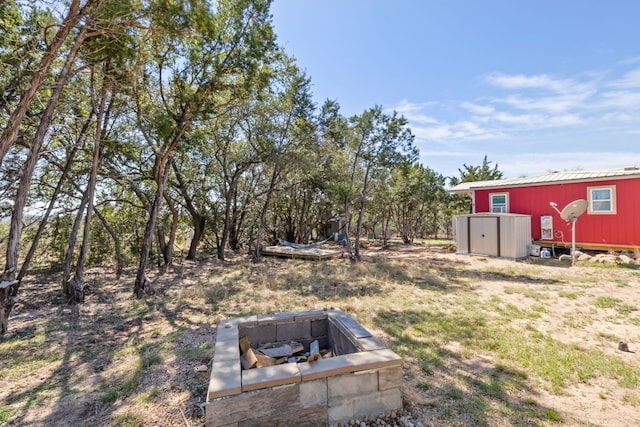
(377, 403)
(226, 379)
(276, 318)
(240, 321)
(319, 328)
(293, 330)
(251, 405)
(309, 417)
(350, 325)
(370, 343)
(346, 386)
(311, 315)
(390, 377)
(270, 376)
(259, 334)
(341, 413)
(227, 332)
(226, 350)
(313, 393)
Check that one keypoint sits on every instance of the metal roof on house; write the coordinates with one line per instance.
(550, 178)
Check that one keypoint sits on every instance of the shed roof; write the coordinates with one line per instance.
(548, 179)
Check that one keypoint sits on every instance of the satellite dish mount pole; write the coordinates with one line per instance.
(573, 239)
(571, 212)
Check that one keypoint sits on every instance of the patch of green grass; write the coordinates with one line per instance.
(129, 420)
(626, 309)
(5, 414)
(121, 389)
(606, 302)
(561, 364)
(526, 292)
(568, 295)
(424, 385)
(552, 415)
(631, 399)
(147, 396)
(203, 353)
(453, 393)
(150, 356)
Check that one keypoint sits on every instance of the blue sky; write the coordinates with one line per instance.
(535, 85)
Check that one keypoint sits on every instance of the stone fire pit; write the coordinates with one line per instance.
(362, 378)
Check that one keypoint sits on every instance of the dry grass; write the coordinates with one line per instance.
(484, 342)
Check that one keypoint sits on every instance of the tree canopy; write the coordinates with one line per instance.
(133, 131)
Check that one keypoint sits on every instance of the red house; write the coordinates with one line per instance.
(612, 219)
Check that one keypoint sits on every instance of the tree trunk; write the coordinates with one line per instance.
(13, 124)
(363, 196)
(227, 217)
(257, 255)
(161, 244)
(54, 197)
(75, 288)
(116, 243)
(161, 170)
(199, 222)
(15, 229)
(167, 252)
(347, 220)
(73, 236)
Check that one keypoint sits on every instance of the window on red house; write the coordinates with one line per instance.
(499, 202)
(602, 200)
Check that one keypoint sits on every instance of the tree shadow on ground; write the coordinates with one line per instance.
(447, 387)
(78, 363)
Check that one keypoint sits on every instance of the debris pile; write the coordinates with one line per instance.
(277, 353)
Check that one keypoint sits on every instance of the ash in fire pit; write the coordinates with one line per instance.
(352, 374)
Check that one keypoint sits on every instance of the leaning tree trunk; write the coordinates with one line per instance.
(13, 124)
(6, 140)
(198, 221)
(142, 284)
(161, 170)
(74, 289)
(15, 228)
(54, 197)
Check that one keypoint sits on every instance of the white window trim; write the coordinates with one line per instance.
(612, 189)
(506, 202)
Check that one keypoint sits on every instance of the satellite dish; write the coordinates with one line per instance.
(573, 210)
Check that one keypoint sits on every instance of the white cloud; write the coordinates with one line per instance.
(631, 80)
(520, 81)
(620, 100)
(413, 112)
(478, 109)
(539, 163)
(530, 123)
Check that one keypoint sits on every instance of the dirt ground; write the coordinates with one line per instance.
(115, 360)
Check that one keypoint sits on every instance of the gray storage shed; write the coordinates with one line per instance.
(494, 234)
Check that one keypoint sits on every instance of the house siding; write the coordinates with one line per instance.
(621, 228)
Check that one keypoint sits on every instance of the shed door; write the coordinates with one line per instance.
(483, 236)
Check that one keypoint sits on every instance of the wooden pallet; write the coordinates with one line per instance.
(312, 253)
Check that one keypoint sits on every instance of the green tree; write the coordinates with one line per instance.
(202, 63)
(377, 141)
